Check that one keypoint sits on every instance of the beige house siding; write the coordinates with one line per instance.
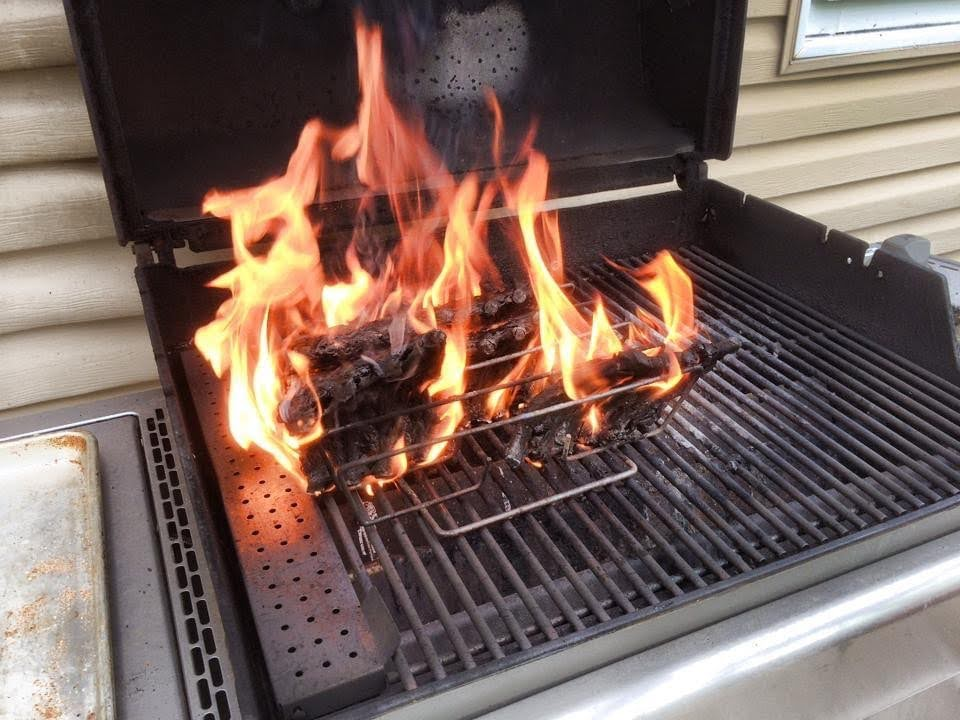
(874, 151)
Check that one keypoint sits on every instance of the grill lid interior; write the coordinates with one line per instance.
(186, 96)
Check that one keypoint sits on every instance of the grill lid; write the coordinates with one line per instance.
(185, 96)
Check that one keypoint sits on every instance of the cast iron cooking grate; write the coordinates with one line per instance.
(808, 436)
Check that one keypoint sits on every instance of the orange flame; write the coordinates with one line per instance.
(567, 338)
(672, 290)
(279, 291)
(267, 290)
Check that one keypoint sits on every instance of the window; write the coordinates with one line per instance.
(826, 33)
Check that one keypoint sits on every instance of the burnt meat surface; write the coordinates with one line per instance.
(372, 396)
(622, 417)
(362, 390)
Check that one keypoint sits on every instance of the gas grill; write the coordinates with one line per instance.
(829, 438)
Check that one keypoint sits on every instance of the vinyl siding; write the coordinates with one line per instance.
(876, 152)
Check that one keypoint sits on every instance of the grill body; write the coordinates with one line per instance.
(821, 444)
(816, 441)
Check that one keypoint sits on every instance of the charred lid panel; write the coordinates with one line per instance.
(185, 96)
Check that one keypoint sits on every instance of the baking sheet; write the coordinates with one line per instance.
(55, 657)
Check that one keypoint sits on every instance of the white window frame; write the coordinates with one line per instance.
(802, 53)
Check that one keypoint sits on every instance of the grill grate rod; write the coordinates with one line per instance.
(671, 523)
(846, 343)
(856, 436)
(652, 470)
(689, 573)
(757, 461)
(546, 541)
(739, 369)
(611, 290)
(404, 671)
(529, 557)
(402, 597)
(747, 547)
(741, 485)
(462, 650)
(453, 578)
(532, 478)
(545, 625)
(720, 498)
(849, 488)
(885, 387)
(489, 587)
(861, 448)
(853, 417)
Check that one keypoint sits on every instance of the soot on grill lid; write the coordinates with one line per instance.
(185, 96)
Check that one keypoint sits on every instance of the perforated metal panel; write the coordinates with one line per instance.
(318, 647)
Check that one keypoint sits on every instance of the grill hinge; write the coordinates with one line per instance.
(144, 253)
(153, 254)
(689, 171)
(156, 247)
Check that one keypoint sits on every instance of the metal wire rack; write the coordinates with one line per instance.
(470, 477)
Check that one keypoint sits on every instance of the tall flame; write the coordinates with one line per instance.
(567, 338)
(267, 293)
(672, 290)
(280, 291)
(568, 342)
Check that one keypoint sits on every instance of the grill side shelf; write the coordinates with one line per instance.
(319, 647)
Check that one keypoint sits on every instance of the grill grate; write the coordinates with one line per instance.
(807, 436)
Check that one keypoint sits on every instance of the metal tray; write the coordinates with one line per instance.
(55, 661)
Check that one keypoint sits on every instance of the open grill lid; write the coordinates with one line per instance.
(185, 96)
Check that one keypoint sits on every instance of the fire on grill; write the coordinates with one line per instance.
(379, 367)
